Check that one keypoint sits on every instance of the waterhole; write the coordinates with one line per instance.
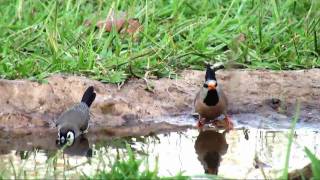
(247, 152)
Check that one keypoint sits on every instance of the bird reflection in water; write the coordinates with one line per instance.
(80, 147)
(210, 146)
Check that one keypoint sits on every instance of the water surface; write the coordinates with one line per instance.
(240, 153)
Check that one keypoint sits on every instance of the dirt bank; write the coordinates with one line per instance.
(26, 104)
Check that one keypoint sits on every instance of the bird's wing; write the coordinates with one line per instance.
(223, 100)
(78, 116)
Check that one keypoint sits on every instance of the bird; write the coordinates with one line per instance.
(210, 101)
(210, 145)
(80, 147)
(75, 121)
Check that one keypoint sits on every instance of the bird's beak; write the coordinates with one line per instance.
(62, 139)
(212, 85)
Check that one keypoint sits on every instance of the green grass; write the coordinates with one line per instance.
(290, 140)
(38, 38)
(130, 168)
(314, 161)
(125, 166)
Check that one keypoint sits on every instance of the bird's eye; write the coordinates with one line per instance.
(205, 85)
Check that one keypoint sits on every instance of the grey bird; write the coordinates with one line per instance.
(74, 121)
(211, 102)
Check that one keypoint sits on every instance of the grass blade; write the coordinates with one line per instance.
(275, 9)
(290, 140)
(315, 163)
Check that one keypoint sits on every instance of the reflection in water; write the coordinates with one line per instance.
(232, 155)
(210, 146)
(80, 147)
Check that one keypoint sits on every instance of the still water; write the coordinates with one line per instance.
(250, 153)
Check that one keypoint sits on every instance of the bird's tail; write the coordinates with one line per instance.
(89, 96)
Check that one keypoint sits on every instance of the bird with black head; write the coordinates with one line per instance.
(75, 121)
(210, 101)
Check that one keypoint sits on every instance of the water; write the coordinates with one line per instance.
(237, 154)
(231, 155)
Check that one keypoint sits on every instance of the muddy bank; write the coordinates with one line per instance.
(26, 104)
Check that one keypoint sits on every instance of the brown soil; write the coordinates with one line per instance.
(299, 174)
(29, 105)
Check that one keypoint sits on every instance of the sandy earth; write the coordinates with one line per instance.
(26, 104)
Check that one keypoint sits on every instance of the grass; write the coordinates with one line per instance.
(130, 168)
(39, 38)
(314, 161)
(123, 167)
(290, 140)
(315, 164)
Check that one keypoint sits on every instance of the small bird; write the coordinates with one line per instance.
(210, 102)
(75, 120)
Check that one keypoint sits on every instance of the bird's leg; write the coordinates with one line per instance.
(229, 123)
(201, 122)
(218, 123)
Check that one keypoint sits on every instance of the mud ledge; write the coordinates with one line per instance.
(30, 105)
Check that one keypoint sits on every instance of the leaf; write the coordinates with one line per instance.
(119, 21)
(315, 163)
